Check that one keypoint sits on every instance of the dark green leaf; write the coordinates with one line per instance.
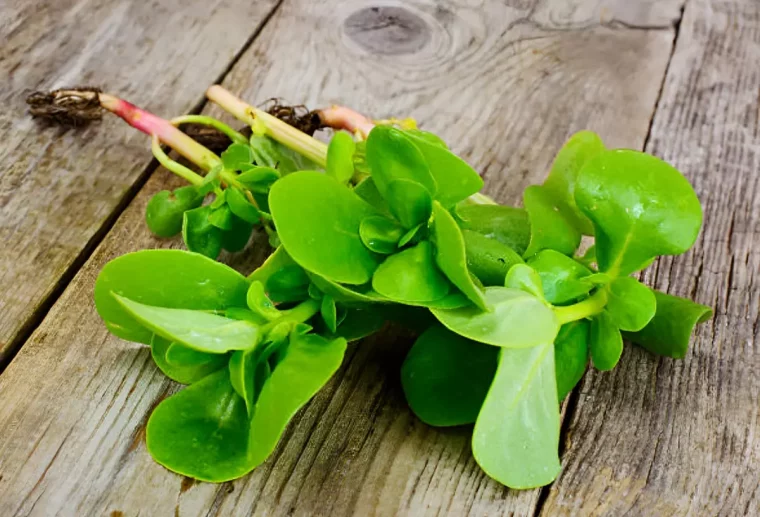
(259, 302)
(288, 284)
(446, 377)
(236, 155)
(236, 239)
(367, 190)
(413, 236)
(199, 234)
(329, 314)
(183, 368)
(510, 226)
(488, 259)
(571, 355)
(270, 153)
(606, 343)
(411, 276)
(451, 257)
(242, 368)
(258, 179)
(221, 218)
(164, 211)
(670, 329)
(241, 207)
(409, 202)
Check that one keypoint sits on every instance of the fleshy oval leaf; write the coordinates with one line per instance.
(340, 157)
(411, 276)
(630, 304)
(517, 320)
(318, 222)
(380, 234)
(641, 207)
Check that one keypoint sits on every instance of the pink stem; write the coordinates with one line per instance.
(340, 117)
(150, 124)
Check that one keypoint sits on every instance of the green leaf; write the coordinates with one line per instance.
(329, 313)
(221, 217)
(516, 435)
(450, 255)
(380, 234)
(198, 330)
(166, 278)
(518, 320)
(184, 368)
(199, 234)
(427, 137)
(367, 190)
(241, 207)
(560, 184)
(242, 367)
(391, 155)
(270, 153)
(413, 236)
(505, 224)
(288, 284)
(548, 227)
(409, 202)
(455, 179)
(259, 302)
(669, 331)
(606, 343)
(202, 431)
(562, 278)
(220, 198)
(340, 293)
(411, 276)
(240, 313)
(322, 235)
(630, 304)
(236, 155)
(236, 238)
(640, 206)
(165, 209)
(446, 377)
(524, 278)
(258, 179)
(488, 259)
(571, 356)
(274, 262)
(340, 157)
(359, 322)
(308, 363)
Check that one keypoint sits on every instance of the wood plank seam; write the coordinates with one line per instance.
(39, 314)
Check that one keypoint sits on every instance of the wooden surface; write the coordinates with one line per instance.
(60, 189)
(505, 83)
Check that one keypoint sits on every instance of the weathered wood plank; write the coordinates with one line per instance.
(682, 437)
(59, 187)
(505, 89)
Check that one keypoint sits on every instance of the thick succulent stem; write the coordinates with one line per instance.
(163, 129)
(340, 117)
(263, 123)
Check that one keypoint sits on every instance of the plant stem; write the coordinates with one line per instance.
(233, 135)
(591, 306)
(340, 117)
(168, 134)
(278, 130)
(177, 168)
(298, 314)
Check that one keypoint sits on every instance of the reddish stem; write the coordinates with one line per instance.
(168, 134)
(340, 117)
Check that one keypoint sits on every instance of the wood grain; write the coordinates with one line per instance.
(58, 188)
(505, 83)
(682, 437)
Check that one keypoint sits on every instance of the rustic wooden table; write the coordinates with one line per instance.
(504, 81)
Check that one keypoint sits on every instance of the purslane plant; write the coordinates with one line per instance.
(386, 216)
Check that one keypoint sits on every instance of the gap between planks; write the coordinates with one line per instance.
(88, 249)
